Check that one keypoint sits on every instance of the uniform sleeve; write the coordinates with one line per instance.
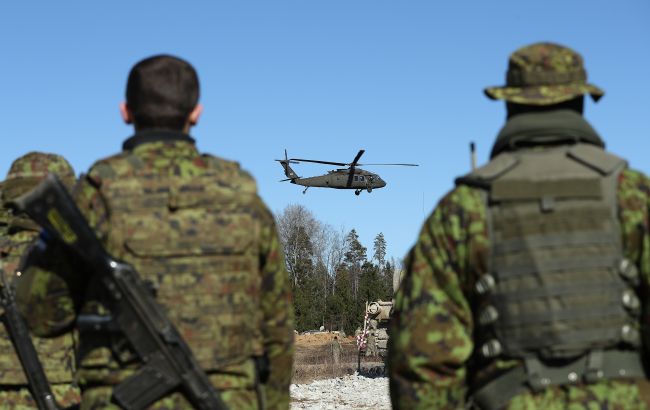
(431, 328)
(634, 214)
(49, 293)
(277, 310)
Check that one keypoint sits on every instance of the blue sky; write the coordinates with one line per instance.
(323, 79)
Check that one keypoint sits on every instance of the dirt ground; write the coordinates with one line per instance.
(313, 359)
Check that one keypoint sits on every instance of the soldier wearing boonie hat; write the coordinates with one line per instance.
(17, 233)
(544, 74)
(525, 287)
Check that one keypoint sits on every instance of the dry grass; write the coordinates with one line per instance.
(314, 361)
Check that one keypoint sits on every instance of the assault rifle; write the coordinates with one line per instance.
(17, 328)
(168, 362)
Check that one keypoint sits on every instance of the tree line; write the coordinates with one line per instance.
(331, 272)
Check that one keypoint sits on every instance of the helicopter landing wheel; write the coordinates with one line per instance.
(357, 192)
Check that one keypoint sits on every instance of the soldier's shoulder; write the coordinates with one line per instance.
(633, 181)
(483, 176)
(230, 173)
(463, 197)
(462, 205)
(112, 166)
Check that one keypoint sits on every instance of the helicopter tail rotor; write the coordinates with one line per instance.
(288, 171)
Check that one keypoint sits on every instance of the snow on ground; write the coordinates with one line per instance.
(348, 392)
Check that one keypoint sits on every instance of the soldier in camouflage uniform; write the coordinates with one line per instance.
(17, 233)
(195, 228)
(527, 284)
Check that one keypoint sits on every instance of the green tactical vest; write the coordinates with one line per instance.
(559, 295)
(194, 241)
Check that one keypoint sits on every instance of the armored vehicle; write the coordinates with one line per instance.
(373, 339)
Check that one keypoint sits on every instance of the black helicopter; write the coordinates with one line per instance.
(342, 178)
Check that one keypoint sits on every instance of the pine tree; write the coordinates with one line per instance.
(305, 284)
(355, 256)
(379, 248)
(341, 309)
(387, 281)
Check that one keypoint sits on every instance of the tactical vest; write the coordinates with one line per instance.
(194, 241)
(559, 295)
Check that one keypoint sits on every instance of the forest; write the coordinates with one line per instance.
(332, 273)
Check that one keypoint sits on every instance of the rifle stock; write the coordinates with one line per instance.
(168, 361)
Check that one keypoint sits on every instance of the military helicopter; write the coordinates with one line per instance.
(342, 178)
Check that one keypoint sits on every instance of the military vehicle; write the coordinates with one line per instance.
(343, 178)
(373, 339)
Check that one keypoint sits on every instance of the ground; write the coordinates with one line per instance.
(320, 384)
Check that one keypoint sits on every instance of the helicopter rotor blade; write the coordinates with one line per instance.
(405, 165)
(342, 164)
(356, 159)
(350, 176)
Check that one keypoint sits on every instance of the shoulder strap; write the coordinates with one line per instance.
(596, 158)
(483, 176)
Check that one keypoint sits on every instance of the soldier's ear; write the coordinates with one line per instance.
(126, 114)
(195, 114)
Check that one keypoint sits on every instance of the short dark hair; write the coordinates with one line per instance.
(161, 92)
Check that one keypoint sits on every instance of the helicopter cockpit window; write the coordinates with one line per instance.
(360, 177)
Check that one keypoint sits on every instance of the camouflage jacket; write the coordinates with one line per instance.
(55, 353)
(432, 328)
(17, 234)
(198, 233)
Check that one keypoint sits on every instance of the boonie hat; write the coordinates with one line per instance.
(27, 171)
(544, 74)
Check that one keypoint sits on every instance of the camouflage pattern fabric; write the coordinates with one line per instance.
(544, 74)
(19, 398)
(16, 235)
(196, 230)
(431, 331)
(26, 171)
(100, 398)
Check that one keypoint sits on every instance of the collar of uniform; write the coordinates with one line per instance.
(144, 137)
(548, 127)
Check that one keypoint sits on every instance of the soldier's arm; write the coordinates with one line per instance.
(49, 292)
(277, 310)
(634, 214)
(431, 329)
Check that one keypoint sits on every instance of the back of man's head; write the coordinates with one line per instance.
(161, 92)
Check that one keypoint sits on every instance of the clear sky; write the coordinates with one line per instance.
(401, 79)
